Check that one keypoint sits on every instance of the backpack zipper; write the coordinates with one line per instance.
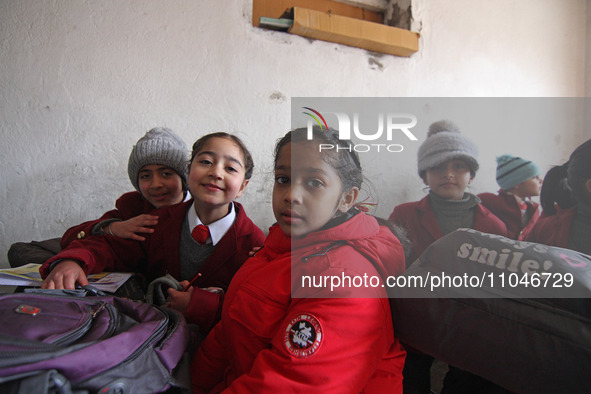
(161, 329)
(73, 336)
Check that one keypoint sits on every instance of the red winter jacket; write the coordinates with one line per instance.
(553, 230)
(159, 255)
(505, 207)
(418, 219)
(271, 340)
(127, 206)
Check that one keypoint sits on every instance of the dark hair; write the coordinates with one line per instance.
(565, 185)
(248, 162)
(342, 158)
(400, 233)
(555, 190)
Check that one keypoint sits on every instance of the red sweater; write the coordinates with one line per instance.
(505, 207)
(159, 255)
(273, 339)
(553, 230)
(418, 219)
(127, 206)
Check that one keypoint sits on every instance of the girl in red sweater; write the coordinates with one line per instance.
(157, 168)
(566, 201)
(287, 325)
(519, 180)
(447, 163)
(219, 171)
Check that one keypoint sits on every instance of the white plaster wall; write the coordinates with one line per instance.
(82, 80)
(588, 57)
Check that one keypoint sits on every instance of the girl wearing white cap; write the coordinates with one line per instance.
(447, 164)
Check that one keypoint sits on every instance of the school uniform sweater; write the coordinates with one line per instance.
(505, 207)
(127, 206)
(277, 335)
(159, 254)
(554, 230)
(418, 219)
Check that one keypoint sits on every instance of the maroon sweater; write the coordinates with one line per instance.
(158, 255)
(505, 207)
(418, 219)
(127, 206)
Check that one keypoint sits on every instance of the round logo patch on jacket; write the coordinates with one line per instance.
(303, 335)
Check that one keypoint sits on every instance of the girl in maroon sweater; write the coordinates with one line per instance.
(566, 201)
(519, 181)
(157, 168)
(219, 171)
(447, 163)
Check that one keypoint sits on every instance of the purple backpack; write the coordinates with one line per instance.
(56, 343)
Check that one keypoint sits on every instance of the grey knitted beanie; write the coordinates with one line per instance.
(445, 142)
(159, 146)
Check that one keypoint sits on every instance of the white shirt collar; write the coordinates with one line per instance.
(217, 229)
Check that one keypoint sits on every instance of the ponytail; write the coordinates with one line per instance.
(565, 185)
(555, 190)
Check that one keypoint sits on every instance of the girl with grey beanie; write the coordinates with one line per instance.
(163, 148)
(447, 163)
(157, 169)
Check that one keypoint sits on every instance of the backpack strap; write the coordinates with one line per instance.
(44, 382)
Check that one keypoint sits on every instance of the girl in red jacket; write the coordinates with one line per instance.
(308, 313)
(519, 180)
(219, 171)
(447, 163)
(566, 204)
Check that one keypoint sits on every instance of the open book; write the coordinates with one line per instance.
(28, 275)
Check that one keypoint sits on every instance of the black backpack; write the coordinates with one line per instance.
(515, 313)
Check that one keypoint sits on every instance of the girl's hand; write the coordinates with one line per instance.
(131, 228)
(179, 300)
(65, 275)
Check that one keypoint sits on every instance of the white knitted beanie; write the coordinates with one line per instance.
(159, 146)
(445, 142)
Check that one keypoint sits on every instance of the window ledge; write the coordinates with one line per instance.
(335, 22)
(354, 32)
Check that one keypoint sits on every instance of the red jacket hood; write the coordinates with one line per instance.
(377, 243)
